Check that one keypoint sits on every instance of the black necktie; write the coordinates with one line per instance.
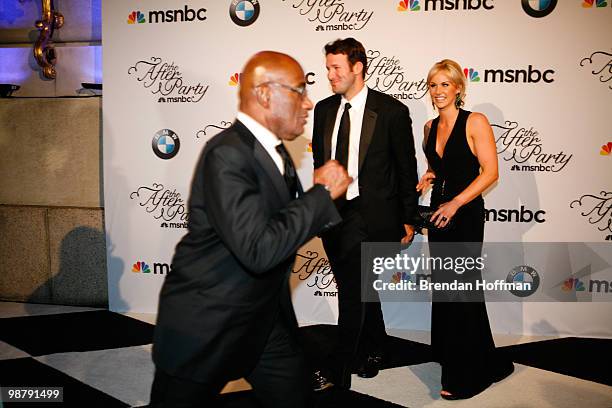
(290, 174)
(342, 142)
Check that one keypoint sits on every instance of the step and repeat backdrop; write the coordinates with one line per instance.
(540, 70)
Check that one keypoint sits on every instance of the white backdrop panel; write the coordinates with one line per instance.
(145, 195)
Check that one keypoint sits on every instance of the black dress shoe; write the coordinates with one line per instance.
(370, 367)
(320, 382)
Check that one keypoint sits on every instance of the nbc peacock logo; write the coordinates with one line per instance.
(596, 3)
(471, 74)
(234, 79)
(159, 268)
(398, 277)
(573, 284)
(141, 267)
(412, 5)
(136, 17)
(606, 149)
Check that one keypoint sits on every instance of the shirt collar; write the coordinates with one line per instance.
(359, 100)
(268, 139)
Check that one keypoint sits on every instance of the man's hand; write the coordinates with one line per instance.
(426, 181)
(334, 177)
(409, 234)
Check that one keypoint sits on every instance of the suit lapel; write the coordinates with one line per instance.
(367, 127)
(265, 161)
(328, 130)
(300, 189)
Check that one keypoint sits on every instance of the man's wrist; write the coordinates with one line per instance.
(325, 186)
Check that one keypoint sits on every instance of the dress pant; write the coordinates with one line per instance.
(278, 379)
(361, 328)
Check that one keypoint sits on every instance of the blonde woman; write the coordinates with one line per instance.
(462, 163)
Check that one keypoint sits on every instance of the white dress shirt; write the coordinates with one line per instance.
(268, 139)
(356, 115)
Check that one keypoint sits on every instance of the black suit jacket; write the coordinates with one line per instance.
(387, 162)
(230, 273)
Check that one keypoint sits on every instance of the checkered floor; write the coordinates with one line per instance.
(104, 359)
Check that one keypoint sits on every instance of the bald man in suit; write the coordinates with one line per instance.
(225, 310)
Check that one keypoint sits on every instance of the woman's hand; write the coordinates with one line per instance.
(445, 213)
(426, 181)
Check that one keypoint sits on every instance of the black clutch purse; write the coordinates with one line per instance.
(422, 219)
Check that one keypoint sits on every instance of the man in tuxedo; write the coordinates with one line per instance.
(225, 310)
(369, 133)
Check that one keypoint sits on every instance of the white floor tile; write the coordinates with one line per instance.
(418, 386)
(124, 373)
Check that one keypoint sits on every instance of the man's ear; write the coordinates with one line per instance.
(358, 68)
(262, 93)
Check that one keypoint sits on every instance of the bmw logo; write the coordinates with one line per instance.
(538, 8)
(165, 144)
(524, 274)
(244, 12)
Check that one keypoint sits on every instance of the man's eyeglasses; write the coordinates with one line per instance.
(300, 90)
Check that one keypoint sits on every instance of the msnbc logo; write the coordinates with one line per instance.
(159, 268)
(598, 3)
(325, 293)
(413, 5)
(574, 284)
(471, 74)
(525, 75)
(606, 149)
(167, 16)
(444, 5)
(136, 17)
(141, 266)
(234, 79)
(595, 286)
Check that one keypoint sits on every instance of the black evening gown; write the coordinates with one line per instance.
(460, 333)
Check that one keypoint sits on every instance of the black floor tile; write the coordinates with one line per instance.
(585, 358)
(81, 331)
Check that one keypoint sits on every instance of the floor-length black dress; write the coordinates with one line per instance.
(461, 336)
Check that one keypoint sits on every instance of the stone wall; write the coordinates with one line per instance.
(52, 244)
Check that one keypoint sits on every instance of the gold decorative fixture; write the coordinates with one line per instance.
(44, 52)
